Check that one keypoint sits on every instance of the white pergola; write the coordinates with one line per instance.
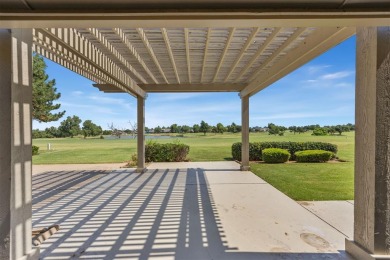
(138, 47)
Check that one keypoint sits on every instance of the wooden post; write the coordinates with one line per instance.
(15, 144)
(245, 133)
(372, 145)
(140, 134)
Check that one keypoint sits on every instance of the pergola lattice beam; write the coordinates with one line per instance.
(188, 58)
(49, 47)
(260, 51)
(134, 52)
(277, 52)
(149, 48)
(226, 48)
(248, 42)
(205, 53)
(85, 55)
(207, 87)
(169, 49)
(248, 18)
(98, 36)
(315, 44)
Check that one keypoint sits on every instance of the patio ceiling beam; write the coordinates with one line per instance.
(226, 48)
(149, 48)
(248, 42)
(187, 43)
(108, 88)
(97, 35)
(169, 49)
(134, 52)
(249, 18)
(210, 87)
(315, 44)
(259, 52)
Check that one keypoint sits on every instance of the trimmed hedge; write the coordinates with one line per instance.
(171, 152)
(35, 150)
(275, 155)
(313, 156)
(255, 149)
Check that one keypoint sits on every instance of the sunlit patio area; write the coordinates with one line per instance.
(176, 211)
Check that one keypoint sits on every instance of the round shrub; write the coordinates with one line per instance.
(35, 150)
(275, 155)
(313, 156)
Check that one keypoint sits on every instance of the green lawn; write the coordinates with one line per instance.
(301, 181)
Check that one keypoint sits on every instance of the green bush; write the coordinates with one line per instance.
(35, 150)
(319, 131)
(255, 149)
(171, 152)
(313, 156)
(275, 155)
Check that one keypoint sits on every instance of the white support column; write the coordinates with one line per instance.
(245, 133)
(140, 134)
(15, 144)
(372, 146)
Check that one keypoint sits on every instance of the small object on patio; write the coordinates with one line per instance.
(40, 235)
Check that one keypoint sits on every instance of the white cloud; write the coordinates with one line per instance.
(336, 75)
(344, 85)
(77, 93)
(311, 81)
(317, 68)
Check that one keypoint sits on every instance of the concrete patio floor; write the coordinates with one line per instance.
(205, 210)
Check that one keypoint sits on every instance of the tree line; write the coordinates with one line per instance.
(70, 127)
(317, 129)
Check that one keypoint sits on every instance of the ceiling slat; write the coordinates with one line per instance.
(248, 42)
(290, 40)
(205, 53)
(151, 52)
(168, 45)
(115, 53)
(225, 50)
(134, 52)
(187, 44)
(260, 51)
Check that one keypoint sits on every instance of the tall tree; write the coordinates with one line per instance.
(70, 126)
(44, 93)
(204, 127)
(220, 128)
(196, 128)
(91, 129)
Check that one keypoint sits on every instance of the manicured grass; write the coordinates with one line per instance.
(309, 181)
(300, 181)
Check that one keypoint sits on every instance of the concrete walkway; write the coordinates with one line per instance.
(176, 211)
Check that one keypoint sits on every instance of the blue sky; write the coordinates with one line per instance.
(321, 92)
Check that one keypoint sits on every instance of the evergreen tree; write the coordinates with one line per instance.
(44, 93)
